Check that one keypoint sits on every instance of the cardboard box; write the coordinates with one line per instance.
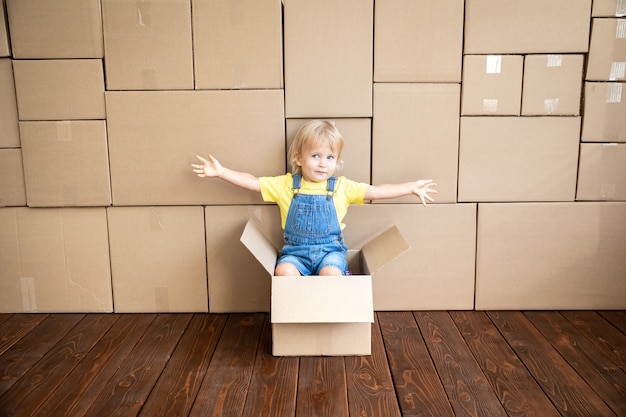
(418, 41)
(518, 158)
(329, 74)
(492, 84)
(602, 172)
(154, 137)
(55, 29)
(357, 152)
(323, 315)
(66, 163)
(607, 50)
(605, 106)
(158, 259)
(237, 44)
(9, 131)
(551, 256)
(415, 135)
(422, 278)
(59, 89)
(5, 47)
(12, 190)
(526, 26)
(552, 85)
(54, 261)
(608, 8)
(148, 44)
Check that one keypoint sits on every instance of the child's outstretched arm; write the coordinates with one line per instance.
(212, 168)
(421, 188)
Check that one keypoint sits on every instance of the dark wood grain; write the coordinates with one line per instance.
(616, 318)
(322, 387)
(16, 326)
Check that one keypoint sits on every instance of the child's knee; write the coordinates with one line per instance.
(286, 269)
(331, 271)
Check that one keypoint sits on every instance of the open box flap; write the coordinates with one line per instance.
(260, 246)
(322, 299)
(383, 249)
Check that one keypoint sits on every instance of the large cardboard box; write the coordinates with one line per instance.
(148, 44)
(158, 259)
(608, 8)
(552, 85)
(323, 315)
(66, 163)
(518, 158)
(9, 131)
(416, 136)
(237, 44)
(12, 190)
(602, 172)
(59, 89)
(5, 47)
(55, 29)
(418, 41)
(607, 50)
(551, 256)
(605, 106)
(328, 74)
(492, 84)
(154, 137)
(54, 261)
(357, 153)
(526, 26)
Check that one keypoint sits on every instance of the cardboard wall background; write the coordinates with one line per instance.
(103, 104)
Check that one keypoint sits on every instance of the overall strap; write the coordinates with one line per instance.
(330, 188)
(297, 182)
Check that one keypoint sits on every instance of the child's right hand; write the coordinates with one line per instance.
(208, 168)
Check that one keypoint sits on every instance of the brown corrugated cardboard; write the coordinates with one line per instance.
(66, 163)
(5, 47)
(55, 29)
(148, 44)
(608, 8)
(237, 44)
(607, 50)
(552, 85)
(602, 172)
(605, 106)
(418, 41)
(422, 278)
(416, 136)
(518, 158)
(54, 261)
(9, 131)
(357, 153)
(526, 26)
(158, 259)
(322, 315)
(12, 191)
(329, 74)
(155, 136)
(59, 89)
(557, 256)
(492, 84)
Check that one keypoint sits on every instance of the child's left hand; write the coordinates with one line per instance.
(422, 188)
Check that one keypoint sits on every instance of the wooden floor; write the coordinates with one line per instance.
(457, 363)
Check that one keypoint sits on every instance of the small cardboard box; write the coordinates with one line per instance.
(605, 106)
(5, 49)
(607, 50)
(602, 172)
(12, 190)
(324, 315)
(9, 131)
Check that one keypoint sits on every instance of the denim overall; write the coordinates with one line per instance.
(313, 237)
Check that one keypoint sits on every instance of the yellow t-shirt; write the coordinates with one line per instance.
(279, 190)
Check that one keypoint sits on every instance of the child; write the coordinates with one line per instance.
(312, 200)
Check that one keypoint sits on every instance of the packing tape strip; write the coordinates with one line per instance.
(613, 93)
(490, 105)
(554, 60)
(620, 8)
(618, 71)
(550, 105)
(493, 64)
(144, 17)
(29, 298)
(620, 29)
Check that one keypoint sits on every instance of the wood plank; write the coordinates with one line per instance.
(604, 376)
(32, 389)
(468, 389)
(127, 391)
(569, 393)
(616, 318)
(370, 387)
(607, 338)
(274, 381)
(17, 360)
(83, 385)
(419, 389)
(226, 382)
(517, 390)
(322, 387)
(16, 326)
(177, 387)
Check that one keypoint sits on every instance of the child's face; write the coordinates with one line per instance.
(317, 162)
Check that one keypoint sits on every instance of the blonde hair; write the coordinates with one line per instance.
(315, 132)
